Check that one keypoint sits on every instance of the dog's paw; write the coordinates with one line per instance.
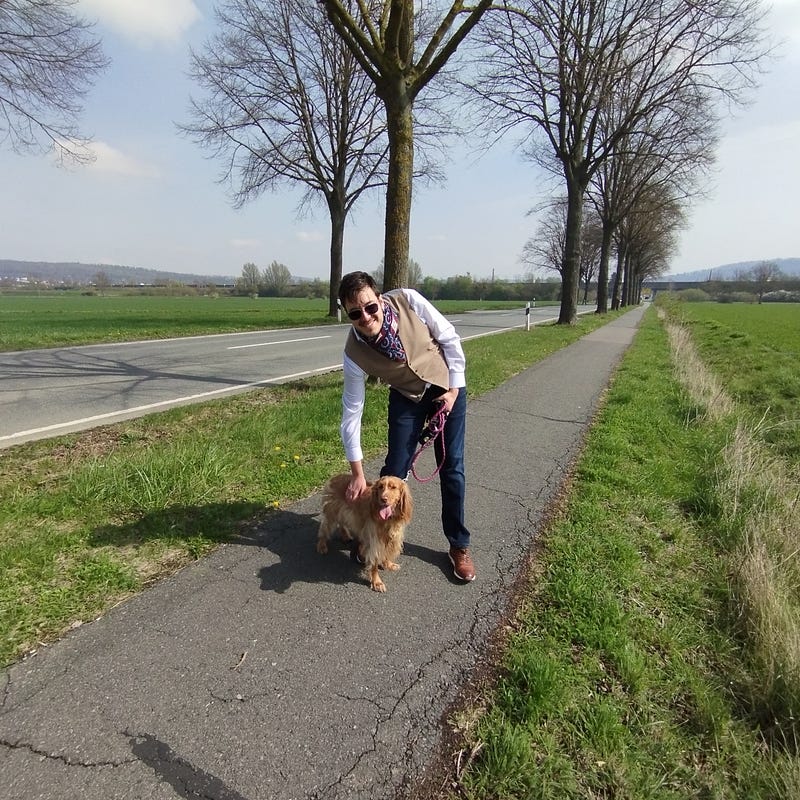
(391, 566)
(378, 586)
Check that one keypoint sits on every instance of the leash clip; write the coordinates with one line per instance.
(434, 424)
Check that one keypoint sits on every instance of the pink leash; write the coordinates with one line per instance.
(434, 429)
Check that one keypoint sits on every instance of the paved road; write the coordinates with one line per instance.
(269, 672)
(49, 392)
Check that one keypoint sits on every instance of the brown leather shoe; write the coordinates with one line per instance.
(463, 568)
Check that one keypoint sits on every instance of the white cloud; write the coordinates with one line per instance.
(108, 159)
(765, 141)
(783, 19)
(308, 236)
(245, 243)
(160, 20)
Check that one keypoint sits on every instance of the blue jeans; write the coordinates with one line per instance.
(406, 421)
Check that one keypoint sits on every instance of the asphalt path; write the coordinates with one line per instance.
(267, 671)
(54, 391)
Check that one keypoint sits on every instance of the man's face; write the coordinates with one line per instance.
(366, 324)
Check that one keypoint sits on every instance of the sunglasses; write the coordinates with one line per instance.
(355, 313)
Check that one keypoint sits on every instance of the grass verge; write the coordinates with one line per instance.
(635, 669)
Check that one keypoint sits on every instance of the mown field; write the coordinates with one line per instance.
(756, 352)
(58, 319)
(65, 318)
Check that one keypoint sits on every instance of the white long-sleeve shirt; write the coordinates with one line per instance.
(355, 379)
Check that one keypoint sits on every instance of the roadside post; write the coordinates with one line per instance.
(338, 310)
(528, 316)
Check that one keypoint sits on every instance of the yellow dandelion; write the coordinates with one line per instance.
(277, 448)
(297, 458)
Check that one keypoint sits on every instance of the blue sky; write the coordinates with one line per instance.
(151, 198)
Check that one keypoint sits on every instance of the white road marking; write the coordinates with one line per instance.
(283, 341)
(165, 403)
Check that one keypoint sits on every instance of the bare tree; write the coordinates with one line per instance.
(545, 249)
(250, 280)
(380, 34)
(591, 245)
(48, 61)
(101, 281)
(762, 274)
(645, 239)
(414, 274)
(556, 67)
(667, 154)
(276, 279)
(285, 101)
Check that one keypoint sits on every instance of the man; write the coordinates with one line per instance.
(402, 339)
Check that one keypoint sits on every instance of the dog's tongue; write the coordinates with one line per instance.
(385, 512)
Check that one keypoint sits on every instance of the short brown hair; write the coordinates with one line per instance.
(353, 283)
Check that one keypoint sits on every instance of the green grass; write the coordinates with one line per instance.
(628, 674)
(632, 669)
(755, 350)
(89, 518)
(54, 320)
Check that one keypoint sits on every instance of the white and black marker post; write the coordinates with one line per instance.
(527, 316)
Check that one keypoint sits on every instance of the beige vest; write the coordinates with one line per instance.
(424, 363)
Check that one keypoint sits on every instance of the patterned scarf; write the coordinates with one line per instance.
(387, 342)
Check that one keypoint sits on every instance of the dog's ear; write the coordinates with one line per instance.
(375, 495)
(405, 505)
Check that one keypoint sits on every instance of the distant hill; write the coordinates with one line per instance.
(57, 272)
(727, 272)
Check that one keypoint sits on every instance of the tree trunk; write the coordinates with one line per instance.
(602, 278)
(338, 216)
(618, 278)
(570, 271)
(398, 191)
(626, 281)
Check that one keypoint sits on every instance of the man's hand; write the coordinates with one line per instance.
(356, 487)
(449, 399)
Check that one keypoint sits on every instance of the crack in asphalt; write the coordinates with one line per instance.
(497, 410)
(64, 759)
(386, 715)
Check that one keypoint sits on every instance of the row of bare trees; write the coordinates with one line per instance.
(323, 95)
(619, 99)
